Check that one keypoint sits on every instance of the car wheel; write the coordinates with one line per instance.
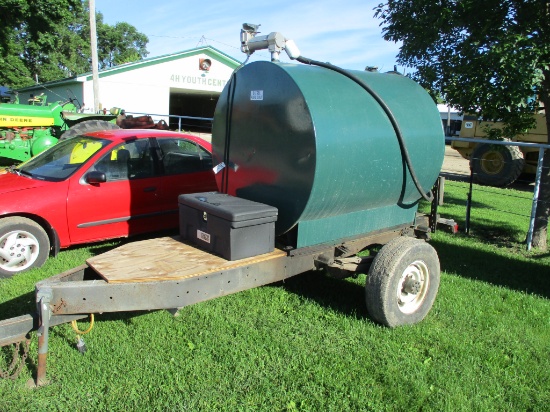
(23, 245)
(402, 282)
(88, 126)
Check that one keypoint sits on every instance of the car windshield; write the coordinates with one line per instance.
(63, 159)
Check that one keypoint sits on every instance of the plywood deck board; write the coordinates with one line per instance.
(165, 258)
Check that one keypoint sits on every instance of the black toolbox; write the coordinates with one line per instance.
(228, 226)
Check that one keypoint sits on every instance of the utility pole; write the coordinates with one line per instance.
(93, 43)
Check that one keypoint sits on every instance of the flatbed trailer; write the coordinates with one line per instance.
(168, 273)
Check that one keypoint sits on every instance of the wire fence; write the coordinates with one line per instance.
(491, 165)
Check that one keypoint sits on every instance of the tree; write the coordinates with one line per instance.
(29, 40)
(50, 39)
(119, 44)
(490, 57)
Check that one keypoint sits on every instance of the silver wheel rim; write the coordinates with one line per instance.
(18, 250)
(412, 287)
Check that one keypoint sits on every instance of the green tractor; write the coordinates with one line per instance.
(28, 129)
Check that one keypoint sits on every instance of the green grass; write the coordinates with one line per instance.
(308, 345)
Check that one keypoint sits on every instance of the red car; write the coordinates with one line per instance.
(97, 186)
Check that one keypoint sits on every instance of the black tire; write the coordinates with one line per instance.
(88, 126)
(23, 245)
(494, 165)
(402, 282)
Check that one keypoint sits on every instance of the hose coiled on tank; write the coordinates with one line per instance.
(429, 197)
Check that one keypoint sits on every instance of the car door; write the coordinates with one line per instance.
(126, 203)
(187, 168)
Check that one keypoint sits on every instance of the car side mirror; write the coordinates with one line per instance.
(96, 177)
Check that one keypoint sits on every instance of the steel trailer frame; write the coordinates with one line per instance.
(80, 291)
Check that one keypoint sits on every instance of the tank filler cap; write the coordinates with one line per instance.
(275, 42)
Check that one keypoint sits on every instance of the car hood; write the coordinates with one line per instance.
(12, 182)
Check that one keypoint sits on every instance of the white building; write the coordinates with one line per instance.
(451, 118)
(186, 83)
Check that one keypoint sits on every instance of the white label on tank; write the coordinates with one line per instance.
(256, 94)
(469, 125)
(205, 237)
(218, 168)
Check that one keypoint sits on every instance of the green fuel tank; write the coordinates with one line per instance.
(316, 145)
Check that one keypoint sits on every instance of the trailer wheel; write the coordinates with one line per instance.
(88, 126)
(23, 245)
(402, 282)
(496, 165)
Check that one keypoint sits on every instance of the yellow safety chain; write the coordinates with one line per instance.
(83, 332)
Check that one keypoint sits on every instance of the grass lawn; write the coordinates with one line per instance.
(308, 345)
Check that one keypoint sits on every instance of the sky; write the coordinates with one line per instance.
(345, 34)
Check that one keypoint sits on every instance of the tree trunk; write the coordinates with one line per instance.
(540, 232)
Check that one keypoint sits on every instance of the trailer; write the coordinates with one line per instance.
(167, 273)
(318, 169)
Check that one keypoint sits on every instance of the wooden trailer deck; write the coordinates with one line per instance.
(166, 258)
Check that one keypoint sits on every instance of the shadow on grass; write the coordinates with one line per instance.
(525, 276)
(338, 294)
(501, 235)
(21, 305)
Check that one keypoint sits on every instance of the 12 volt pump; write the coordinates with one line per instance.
(274, 42)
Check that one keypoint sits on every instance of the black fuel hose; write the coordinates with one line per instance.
(429, 197)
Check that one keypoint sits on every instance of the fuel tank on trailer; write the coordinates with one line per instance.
(317, 146)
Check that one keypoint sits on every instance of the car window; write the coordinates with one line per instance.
(63, 159)
(130, 160)
(183, 156)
